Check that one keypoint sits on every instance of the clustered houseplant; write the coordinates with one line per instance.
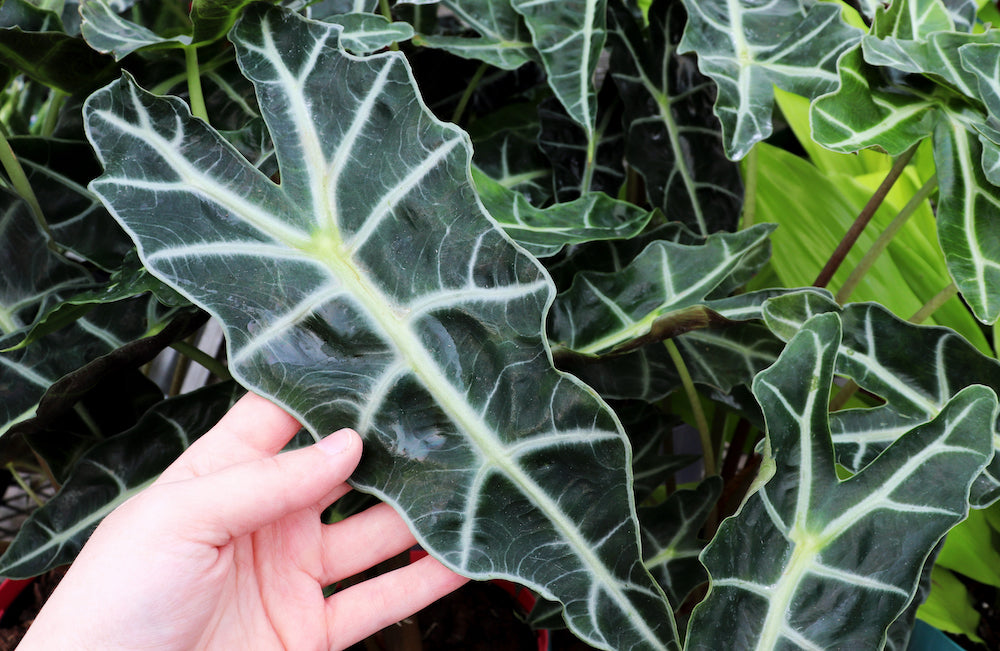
(543, 255)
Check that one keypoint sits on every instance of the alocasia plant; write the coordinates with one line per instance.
(518, 315)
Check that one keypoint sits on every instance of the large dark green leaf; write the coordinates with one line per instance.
(569, 36)
(812, 561)
(968, 219)
(670, 538)
(400, 310)
(34, 42)
(109, 474)
(748, 48)
(673, 138)
(877, 352)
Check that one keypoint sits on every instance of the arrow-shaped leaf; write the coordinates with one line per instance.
(545, 231)
(876, 352)
(748, 48)
(503, 39)
(569, 36)
(400, 310)
(843, 558)
(606, 312)
(670, 537)
(673, 138)
(968, 219)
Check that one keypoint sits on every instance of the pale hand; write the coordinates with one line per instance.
(226, 550)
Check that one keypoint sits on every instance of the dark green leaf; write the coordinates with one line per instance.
(812, 561)
(437, 358)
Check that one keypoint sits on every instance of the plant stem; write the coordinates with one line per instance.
(20, 182)
(921, 315)
(865, 216)
(590, 163)
(932, 305)
(469, 89)
(192, 352)
(884, 238)
(383, 6)
(750, 189)
(699, 414)
(56, 100)
(87, 419)
(24, 485)
(198, 108)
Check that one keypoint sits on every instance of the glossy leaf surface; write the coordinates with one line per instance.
(749, 48)
(401, 310)
(569, 36)
(545, 231)
(503, 41)
(670, 538)
(605, 312)
(673, 138)
(844, 557)
(876, 352)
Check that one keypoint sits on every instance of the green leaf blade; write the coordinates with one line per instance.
(792, 44)
(814, 589)
(399, 310)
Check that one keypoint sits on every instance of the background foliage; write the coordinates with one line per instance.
(564, 264)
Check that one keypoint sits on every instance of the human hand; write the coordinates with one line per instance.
(226, 550)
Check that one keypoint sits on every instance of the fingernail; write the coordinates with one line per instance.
(337, 442)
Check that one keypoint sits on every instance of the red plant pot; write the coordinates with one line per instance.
(9, 589)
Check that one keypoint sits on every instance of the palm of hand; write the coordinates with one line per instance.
(226, 550)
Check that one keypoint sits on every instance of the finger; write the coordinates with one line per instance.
(361, 541)
(245, 497)
(253, 428)
(361, 610)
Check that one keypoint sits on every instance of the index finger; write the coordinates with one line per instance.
(253, 428)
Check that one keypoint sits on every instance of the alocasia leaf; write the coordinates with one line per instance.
(876, 352)
(900, 32)
(583, 163)
(109, 474)
(503, 39)
(55, 368)
(968, 219)
(369, 289)
(842, 558)
(33, 41)
(749, 48)
(717, 357)
(608, 312)
(673, 138)
(670, 538)
(364, 33)
(545, 231)
(76, 218)
(865, 112)
(507, 151)
(106, 31)
(569, 36)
